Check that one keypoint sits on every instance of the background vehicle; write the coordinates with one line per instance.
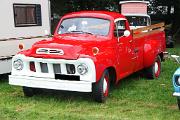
(138, 20)
(176, 83)
(22, 22)
(136, 13)
(88, 51)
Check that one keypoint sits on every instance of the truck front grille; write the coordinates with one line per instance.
(44, 67)
(53, 68)
(57, 68)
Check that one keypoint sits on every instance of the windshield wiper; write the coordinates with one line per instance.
(78, 31)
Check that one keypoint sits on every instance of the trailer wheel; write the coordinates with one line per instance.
(101, 89)
(28, 92)
(154, 70)
(178, 102)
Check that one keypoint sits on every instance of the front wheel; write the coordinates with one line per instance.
(101, 88)
(28, 92)
(154, 70)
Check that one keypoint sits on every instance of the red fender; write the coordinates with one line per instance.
(151, 50)
(102, 66)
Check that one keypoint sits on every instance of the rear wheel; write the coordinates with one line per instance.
(101, 89)
(28, 92)
(154, 70)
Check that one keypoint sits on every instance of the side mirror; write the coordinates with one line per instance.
(126, 33)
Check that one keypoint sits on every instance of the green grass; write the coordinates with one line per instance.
(134, 98)
(176, 50)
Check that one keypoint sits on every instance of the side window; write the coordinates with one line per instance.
(27, 15)
(120, 27)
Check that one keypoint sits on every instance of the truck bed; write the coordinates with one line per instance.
(145, 39)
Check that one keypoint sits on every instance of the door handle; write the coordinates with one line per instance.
(120, 43)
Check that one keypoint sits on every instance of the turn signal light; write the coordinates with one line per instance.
(32, 66)
(21, 46)
(95, 50)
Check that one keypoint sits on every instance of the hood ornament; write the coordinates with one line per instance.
(49, 51)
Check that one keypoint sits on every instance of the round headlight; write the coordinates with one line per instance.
(179, 80)
(18, 64)
(82, 69)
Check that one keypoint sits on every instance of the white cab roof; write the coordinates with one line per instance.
(123, 2)
(136, 15)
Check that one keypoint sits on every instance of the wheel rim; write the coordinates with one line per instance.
(157, 68)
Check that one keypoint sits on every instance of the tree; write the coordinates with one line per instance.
(61, 7)
(176, 18)
(66, 6)
(161, 6)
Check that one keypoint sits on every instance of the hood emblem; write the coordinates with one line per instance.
(49, 51)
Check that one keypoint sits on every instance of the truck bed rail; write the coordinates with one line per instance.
(152, 29)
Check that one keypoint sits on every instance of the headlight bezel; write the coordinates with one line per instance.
(18, 64)
(177, 80)
(82, 69)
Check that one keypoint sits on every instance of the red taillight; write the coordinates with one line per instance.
(32, 66)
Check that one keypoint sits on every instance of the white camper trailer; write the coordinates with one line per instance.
(22, 22)
(136, 13)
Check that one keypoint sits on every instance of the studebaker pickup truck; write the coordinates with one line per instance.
(89, 51)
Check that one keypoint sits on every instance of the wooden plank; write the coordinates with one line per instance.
(155, 26)
(151, 27)
(148, 33)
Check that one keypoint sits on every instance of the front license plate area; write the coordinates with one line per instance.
(67, 77)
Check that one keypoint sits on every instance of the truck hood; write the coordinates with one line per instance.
(66, 46)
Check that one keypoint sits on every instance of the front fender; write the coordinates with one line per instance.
(102, 64)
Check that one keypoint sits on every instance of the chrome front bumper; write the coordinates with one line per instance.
(176, 94)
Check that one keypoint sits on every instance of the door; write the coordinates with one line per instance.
(124, 49)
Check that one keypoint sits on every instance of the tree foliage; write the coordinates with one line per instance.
(161, 6)
(76, 5)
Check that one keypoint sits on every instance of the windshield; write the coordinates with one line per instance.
(95, 26)
(138, 20)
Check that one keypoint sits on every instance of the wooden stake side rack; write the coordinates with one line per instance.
(152, 29)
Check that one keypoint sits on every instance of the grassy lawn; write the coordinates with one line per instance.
(134, 98)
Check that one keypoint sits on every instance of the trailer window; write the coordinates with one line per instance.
(27, 15)
(138, 20)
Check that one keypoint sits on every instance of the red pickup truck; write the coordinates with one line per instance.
(89, 50)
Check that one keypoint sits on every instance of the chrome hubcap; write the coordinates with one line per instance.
(104, 85)
(156, 67)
